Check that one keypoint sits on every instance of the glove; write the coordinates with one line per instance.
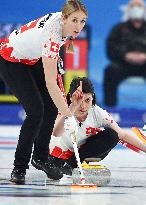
(70, 125)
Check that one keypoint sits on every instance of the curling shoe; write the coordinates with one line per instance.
(48, 167)
(18, 176)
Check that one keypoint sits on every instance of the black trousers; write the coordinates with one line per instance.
(114, 74)
(98, 146)
(28, 85)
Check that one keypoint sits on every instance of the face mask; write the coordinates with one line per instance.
(136, 12)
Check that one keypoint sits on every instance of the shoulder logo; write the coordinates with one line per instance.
(54, 47)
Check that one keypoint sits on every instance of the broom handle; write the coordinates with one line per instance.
(73, 137)
(59, 78)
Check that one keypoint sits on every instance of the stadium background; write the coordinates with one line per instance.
(103, 14)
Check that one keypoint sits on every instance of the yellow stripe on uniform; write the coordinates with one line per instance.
(8, 99)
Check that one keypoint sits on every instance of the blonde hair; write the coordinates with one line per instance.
(70, 7)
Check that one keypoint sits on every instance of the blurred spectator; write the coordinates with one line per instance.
(126, 49)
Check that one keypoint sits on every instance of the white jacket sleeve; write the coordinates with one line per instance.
(103, 118)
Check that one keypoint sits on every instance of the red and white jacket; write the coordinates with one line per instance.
(39, 37)
(97, 119)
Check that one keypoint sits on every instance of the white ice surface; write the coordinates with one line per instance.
(127, 185)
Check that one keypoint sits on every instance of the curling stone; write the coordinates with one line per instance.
(93, 173)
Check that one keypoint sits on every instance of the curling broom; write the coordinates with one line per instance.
(73, 138)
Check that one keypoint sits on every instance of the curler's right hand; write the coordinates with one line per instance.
(70, 124)
(77, 96)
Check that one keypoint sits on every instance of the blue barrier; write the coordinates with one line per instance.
(127, 117)
(15, 114)
(11, 114)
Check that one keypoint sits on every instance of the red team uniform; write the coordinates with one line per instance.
(96, 121)
(31, 41)
(22, 70)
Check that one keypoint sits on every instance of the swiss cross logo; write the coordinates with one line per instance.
(54, 47)
(92, 130)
